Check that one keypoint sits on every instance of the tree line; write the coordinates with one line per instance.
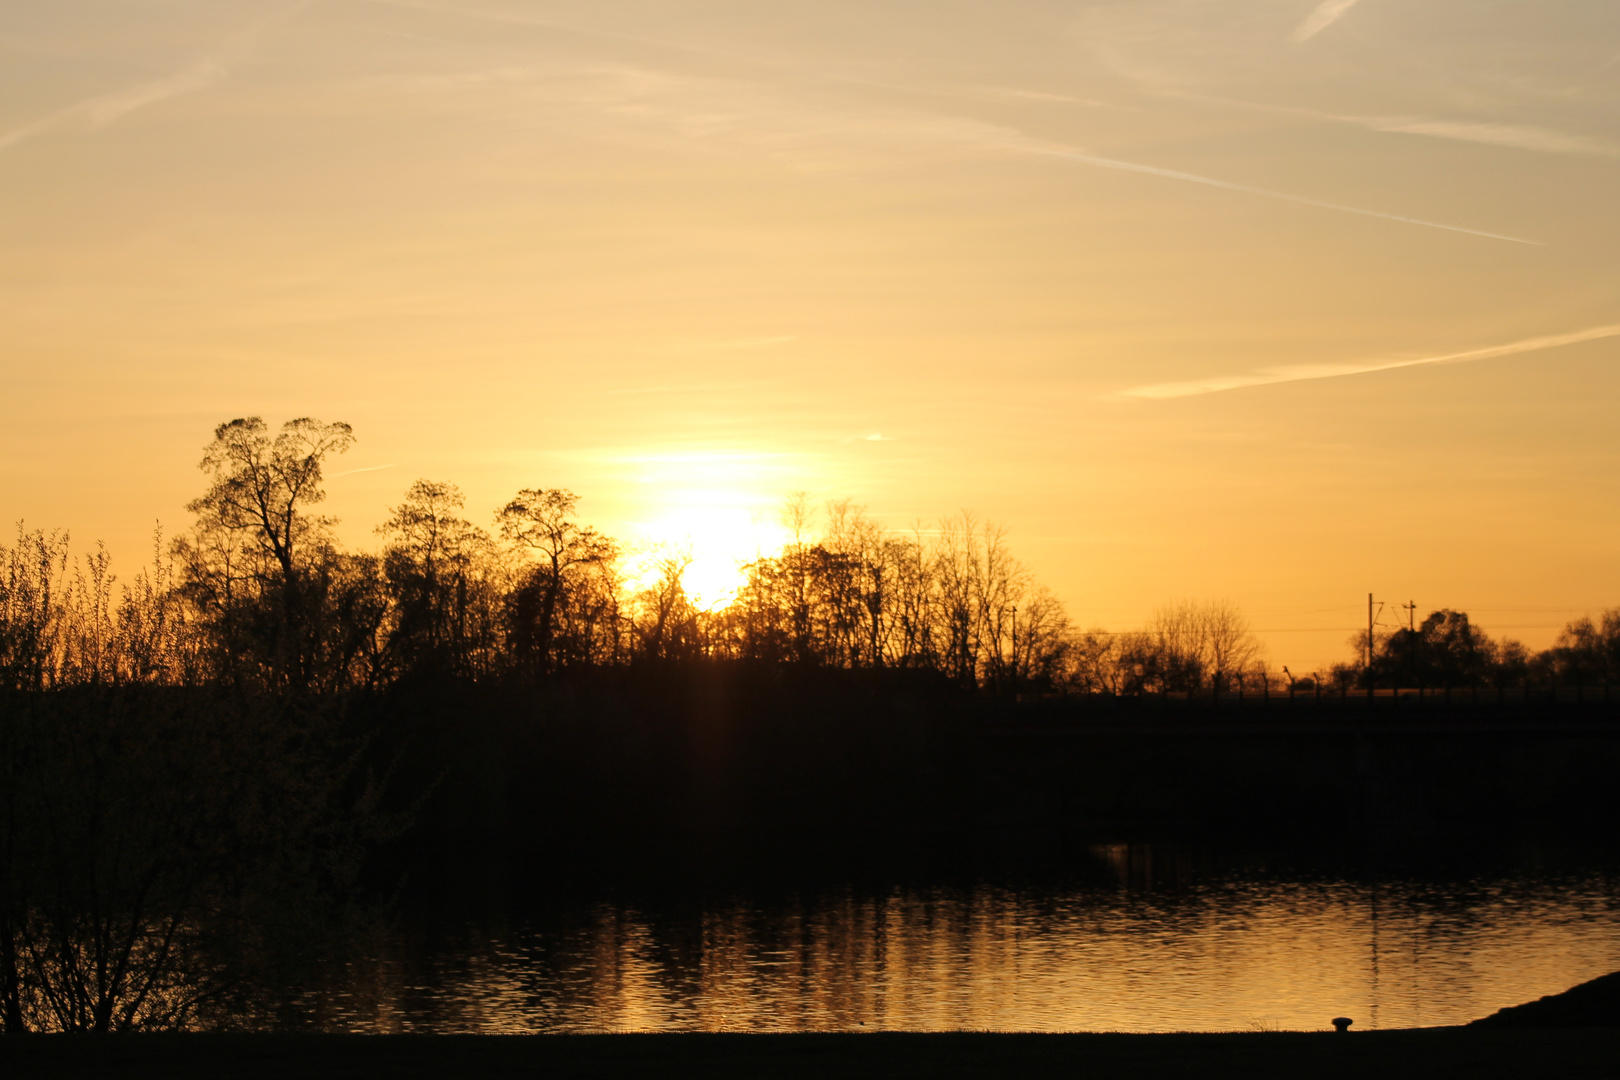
(257, 593)
(1448, 650)
(198, 764)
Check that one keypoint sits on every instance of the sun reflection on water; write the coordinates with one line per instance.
(1226, 956)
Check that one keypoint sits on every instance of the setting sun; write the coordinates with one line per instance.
(720, 509)
(720, 540)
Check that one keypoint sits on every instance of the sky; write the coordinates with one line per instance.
(1274, 301)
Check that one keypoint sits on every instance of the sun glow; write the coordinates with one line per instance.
(720, 511)
(718, 539)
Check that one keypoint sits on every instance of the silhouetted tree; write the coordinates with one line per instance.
(255, 540)
(1587, 651)
(667, 624)
(1042, 646)
(1446, 650)
(1230, 649)
(1098, 665)
(956, 566)
(541, 521)
(440, 619)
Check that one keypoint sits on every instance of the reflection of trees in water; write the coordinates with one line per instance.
(1205, 955)
(162, 855)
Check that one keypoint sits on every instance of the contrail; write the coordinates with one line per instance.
(1194, 178)
(1487, 132)
(1329, 11)
(368, 468)
(1332, 9)
(1302, 372)
(1326, 14)
(103, 109)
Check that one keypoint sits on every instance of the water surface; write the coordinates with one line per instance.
(1230, 950)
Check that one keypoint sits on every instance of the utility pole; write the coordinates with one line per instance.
(1015, 651)
(1411, 643)
(1369, 645)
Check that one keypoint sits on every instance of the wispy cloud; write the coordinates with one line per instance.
(1302, 372)
(808, 128)
(1518, 136)
(1326, 14)
(1014, 93)
(1194, 178)
(815, 131)
(97, 112)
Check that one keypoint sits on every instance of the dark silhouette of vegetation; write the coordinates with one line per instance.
(161, 851)
(257, 594)
(1448, 652)
(1592, 1004)
(187, 758)
(262, 567)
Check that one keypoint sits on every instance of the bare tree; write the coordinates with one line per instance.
(1178, 661)
(255, 517)
(1201, 641)
(541, 520)
(1043, 645)
(263, 487)
(794, 573)
(1228, 646)
(1094, 666)
(666, 628)
(956, 571)
(915, 602)
(429, 566)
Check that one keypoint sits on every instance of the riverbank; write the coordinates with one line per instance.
(1593, 1004)
(1428, 1053)
(1567, 1034)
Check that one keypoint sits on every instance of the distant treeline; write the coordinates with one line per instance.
(202, 768)
(257, 594)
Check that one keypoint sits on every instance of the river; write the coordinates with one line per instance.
(1138, 937)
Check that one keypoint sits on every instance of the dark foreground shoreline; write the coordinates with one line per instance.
(1572, 1034)
(1432, 1052)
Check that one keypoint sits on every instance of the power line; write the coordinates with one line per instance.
(1327, 629)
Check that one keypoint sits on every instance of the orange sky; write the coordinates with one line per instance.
(1114, 274)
